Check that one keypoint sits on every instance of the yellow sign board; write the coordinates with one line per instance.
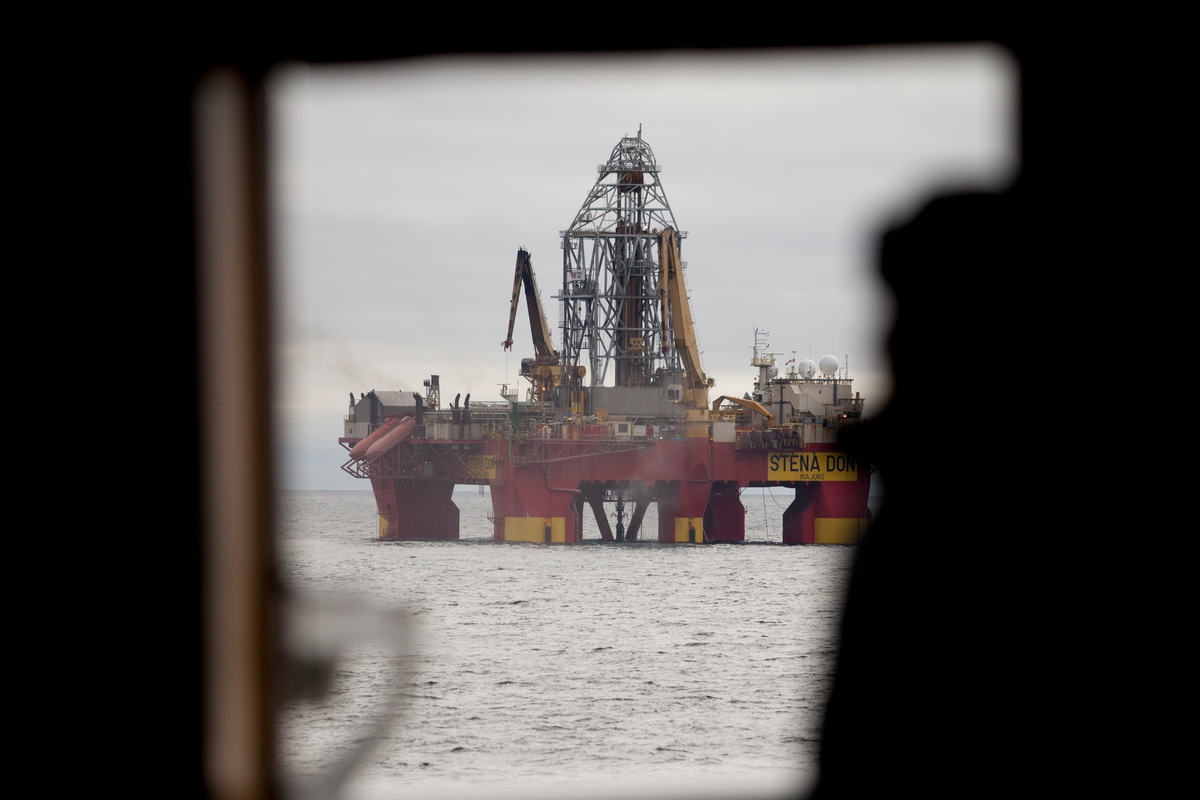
(811, 467)
(481, 466)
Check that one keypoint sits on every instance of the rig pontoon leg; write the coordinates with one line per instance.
(842, 515)
(416, 509)
(642, 497)
(799, 518)
(725, 518)
(594, 495)
(681, 507)
(527, 510)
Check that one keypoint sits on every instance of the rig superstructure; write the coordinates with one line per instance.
(651, 435)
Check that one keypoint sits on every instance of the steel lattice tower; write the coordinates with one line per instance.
(610, 303)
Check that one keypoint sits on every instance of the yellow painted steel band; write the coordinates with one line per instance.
(685, 525)
(843, 530)
(383, 527)
(533, 529)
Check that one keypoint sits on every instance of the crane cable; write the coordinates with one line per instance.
(773, 500)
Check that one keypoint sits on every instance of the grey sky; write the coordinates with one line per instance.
(402, 192)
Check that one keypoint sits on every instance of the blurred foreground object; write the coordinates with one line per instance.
(317, 633)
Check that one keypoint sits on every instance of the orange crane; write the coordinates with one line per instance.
(749, 405)
(544, 371)
(673, 296)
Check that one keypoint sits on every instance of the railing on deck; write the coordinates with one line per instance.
(769, 439)
(540, 450)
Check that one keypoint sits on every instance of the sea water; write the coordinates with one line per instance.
(594, 670)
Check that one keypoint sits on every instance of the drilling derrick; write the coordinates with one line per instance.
(612, 313)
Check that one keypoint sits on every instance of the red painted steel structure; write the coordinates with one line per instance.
(541, 488)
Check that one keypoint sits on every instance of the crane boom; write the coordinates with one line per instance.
(749, 405)
(670, 287)
(542, 345)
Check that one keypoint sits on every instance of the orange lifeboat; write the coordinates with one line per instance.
(359, 450)
(391, 439)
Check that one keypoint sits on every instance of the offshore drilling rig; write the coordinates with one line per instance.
(649, 435)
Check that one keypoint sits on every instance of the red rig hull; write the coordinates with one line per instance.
(543, 489)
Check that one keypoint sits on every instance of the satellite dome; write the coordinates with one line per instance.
(829, 365)
(807, 368)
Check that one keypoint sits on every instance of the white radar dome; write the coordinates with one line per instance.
(829, 365)
(806, 368)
